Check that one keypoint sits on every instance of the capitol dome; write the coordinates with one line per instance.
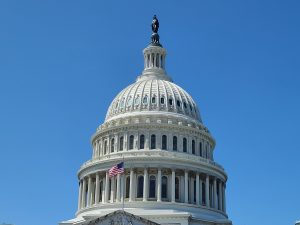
(154, 133)
(153, 95)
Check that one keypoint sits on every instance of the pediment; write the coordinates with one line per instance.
(120, 218)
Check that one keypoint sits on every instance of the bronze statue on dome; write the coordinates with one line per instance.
(155, 24)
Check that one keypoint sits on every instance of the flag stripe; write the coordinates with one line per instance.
(117, 169)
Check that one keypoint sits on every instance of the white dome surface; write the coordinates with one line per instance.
(153, 95)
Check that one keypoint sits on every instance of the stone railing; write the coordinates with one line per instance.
(150, 153)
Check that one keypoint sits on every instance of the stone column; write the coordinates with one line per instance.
(224, 199)
(200, 191)
(173, 186)
(131, 185)
(118, 187)
(146, 184)
(220, 203)
(103, 189)
(159, 185)
(106, 187)
(186, 187)
(97, 189)
(215, 194)
(122, 187)
(125, 147)
(83, 200)
(207, 191)
(80, 195)
(197, 189)
(89, 199)
(112, 190)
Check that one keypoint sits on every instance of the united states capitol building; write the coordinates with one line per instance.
(170, 177)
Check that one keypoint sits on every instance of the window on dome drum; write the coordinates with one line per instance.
(184, 145)
(112, 145)
(193, 147)
(164, 187)
(170, 101)
(203, 194)
(161, 61)
(153, 142)
(184, 104)
(140, 187)
(177, 185)
(142, 141)
(164, 142)
(153, 100)
(127, 187)
(121, 143)
(137, 100)
(178, 103)
(191, 108)
(157, 60)
(206, 152)
(145, 100)
(162, 100)
(105, 147)
(152, 186)
(131, 140)
(200, 148)
(174, 143)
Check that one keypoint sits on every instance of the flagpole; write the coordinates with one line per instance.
(123, 185)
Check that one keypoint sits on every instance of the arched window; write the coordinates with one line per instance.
(170, 101)
(142, 141)
(131, 140)
(177, 185)
(153, 142)
(164, 142)
(184, 145)
(178, 103)
(200, 149)
(162, 100)
(153, 100)
(112, 145)
(184, 104)
(121, 143)
(127, 187)
(193, 147)
(174, 143)
(145, 100)
(164, 187)
(140, 187)
(105, 147)
(152, 186)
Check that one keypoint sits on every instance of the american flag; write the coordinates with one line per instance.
(117, 169)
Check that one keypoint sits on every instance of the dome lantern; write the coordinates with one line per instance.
(154, 57)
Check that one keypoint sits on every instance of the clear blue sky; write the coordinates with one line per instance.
(62, 62)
